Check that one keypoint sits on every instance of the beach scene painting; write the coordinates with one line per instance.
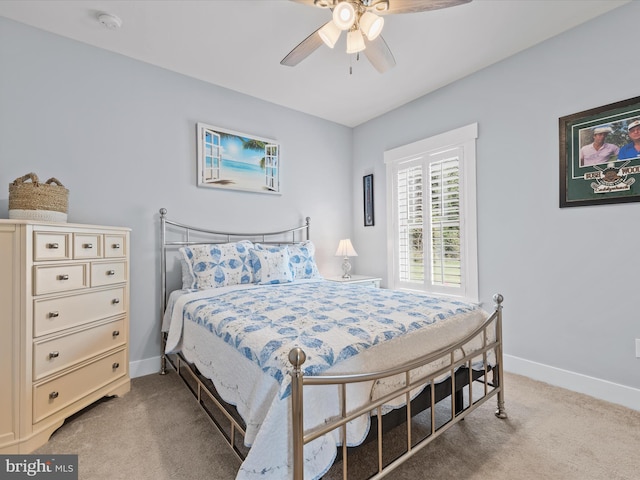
(237, 161)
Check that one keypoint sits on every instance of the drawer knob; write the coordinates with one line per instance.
(63, 277)
(53, 245)
(53, 395)
(87, 245)
(115, 301)
(115, 365)
(54, 355)
(115, 245)
(111, 272)
(54, 314)
(116, 333)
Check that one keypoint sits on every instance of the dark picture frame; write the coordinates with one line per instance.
(367, 188)
(603, 170)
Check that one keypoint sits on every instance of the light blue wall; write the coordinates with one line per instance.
(120, 134)
(569, 276)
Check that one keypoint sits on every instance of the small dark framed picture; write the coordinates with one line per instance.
(367, 187)
(600, 155)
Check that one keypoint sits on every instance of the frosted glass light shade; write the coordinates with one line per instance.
(344, 15)
(355, 41)
(345, 249)
(371, 25)
(329, 34)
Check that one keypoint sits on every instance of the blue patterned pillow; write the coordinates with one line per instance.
(302, 260)
(271, 265)
(218, 265)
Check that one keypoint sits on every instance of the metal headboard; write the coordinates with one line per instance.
(205, 236)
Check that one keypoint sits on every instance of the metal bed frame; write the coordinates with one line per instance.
(460, 366)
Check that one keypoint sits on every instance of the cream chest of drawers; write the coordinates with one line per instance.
(64, 325)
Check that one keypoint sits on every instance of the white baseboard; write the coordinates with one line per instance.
(602, 389)
(147, 366)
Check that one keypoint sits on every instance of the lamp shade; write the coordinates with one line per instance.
(344, 15)
(329, 34)
(355, 41)
(345, 249)
(371, 25)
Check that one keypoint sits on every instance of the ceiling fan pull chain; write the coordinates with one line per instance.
(351, 62)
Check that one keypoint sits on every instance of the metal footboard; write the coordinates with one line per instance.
(455, 357)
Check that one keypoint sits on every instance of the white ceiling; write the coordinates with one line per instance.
(238, 44)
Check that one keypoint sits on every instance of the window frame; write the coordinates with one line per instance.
(420, 152)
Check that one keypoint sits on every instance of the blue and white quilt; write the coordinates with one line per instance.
(240, 336)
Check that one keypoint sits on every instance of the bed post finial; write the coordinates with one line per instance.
(498, 298)
(163, 212)
(297, 357)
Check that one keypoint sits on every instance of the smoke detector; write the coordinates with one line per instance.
(107, 20)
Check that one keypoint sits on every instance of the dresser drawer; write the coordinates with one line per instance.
(87, 245)
(60, 278)
(115, 246)
(51, 246)
(54, 395)
(58, 353)
(54, 314)
(108, 273)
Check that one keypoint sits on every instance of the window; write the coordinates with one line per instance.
(432, 214)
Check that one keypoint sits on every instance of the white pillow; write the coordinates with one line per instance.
(271, 265)
(218, 265)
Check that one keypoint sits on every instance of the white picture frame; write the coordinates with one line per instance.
(230, 160)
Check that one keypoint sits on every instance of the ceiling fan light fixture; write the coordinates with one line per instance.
(371, 25)
(355, 41)
(329, 34)
(344, 15)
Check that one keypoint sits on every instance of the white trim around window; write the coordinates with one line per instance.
(415, 239)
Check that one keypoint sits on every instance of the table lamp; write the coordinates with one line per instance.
(346, 250)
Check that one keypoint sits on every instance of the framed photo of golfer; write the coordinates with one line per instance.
(600, 155)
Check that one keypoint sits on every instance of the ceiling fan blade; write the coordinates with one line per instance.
(313, 3)
(303, 50)
(413, 6)
(395, 6)
(379, 54)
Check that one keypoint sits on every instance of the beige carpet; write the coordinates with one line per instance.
(158, 432)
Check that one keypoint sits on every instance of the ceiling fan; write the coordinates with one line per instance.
(363, 21)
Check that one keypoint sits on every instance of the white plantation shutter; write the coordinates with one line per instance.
(432, 210)
(410, 223)
(445, 221)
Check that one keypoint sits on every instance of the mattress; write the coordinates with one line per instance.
(240, 337)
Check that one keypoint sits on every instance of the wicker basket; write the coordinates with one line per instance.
(33, 200)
